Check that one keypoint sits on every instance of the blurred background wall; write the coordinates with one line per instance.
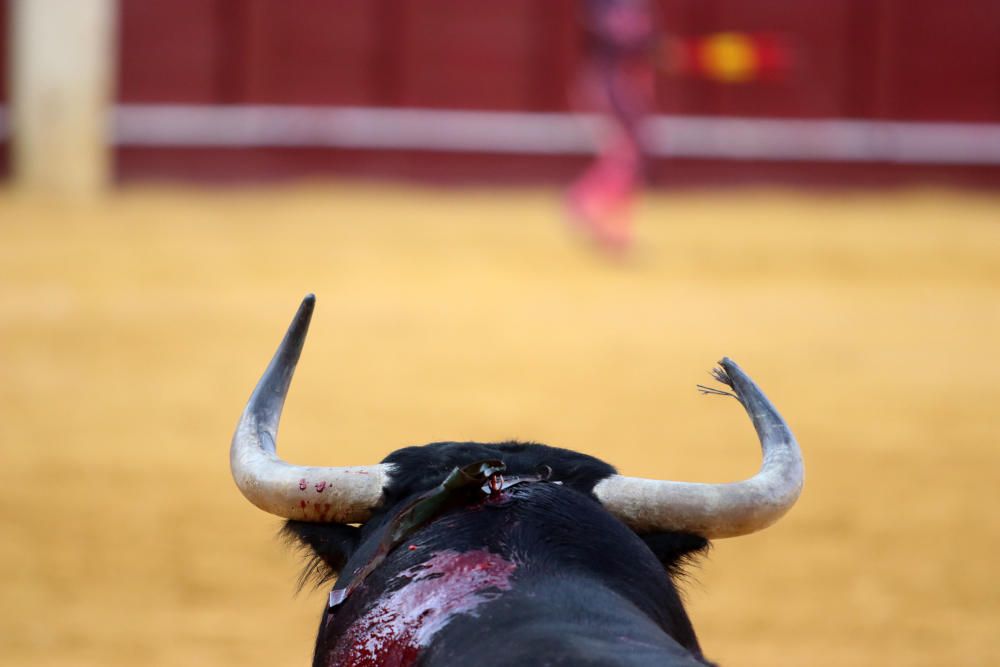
(879, 90)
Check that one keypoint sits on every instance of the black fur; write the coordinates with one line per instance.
(327, 546)
(587, 590)
(676, 551)
(420, 469)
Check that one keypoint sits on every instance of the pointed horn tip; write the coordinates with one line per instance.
(304, 314)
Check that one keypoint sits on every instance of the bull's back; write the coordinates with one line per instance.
(558, 620)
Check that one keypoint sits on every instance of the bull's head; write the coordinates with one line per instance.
(337, 496)
(352, 493)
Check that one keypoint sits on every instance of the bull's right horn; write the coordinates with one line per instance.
(717, 510)
(336, 495)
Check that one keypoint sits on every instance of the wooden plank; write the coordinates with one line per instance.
(946, 60)
(168, 51)
(313, 52)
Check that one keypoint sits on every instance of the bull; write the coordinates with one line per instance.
(463, 553)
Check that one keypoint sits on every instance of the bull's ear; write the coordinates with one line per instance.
(327, 546)
(676, 551)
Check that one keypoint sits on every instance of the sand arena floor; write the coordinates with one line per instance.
(132, 330)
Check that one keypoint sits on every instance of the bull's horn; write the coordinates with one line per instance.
(340, 495)
(717, 510)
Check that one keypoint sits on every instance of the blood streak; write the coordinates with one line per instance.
(393, 631)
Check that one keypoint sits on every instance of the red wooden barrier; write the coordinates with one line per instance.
(903, 59)
(920, 60)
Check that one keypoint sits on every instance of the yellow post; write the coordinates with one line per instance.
(61, 92)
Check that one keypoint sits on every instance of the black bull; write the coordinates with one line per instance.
(481, 554)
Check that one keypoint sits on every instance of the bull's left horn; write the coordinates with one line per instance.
(717, 510)
(339, 495)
